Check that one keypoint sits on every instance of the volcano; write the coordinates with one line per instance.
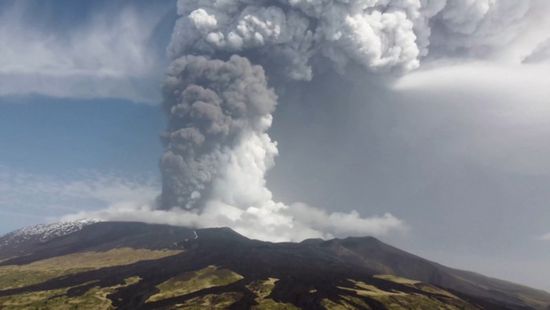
(126, 265)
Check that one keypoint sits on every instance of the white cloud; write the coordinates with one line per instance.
(108, 57)
(545, 237)
(113, 198)
(272, 223)
(240, 200)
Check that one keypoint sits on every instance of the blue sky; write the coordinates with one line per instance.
(79, 93)
(457, 151)
(104, 134)
(55, 141)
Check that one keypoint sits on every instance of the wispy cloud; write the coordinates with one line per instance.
(545, 237)
(502, 108)
(108, 56)
(254, 223)
(49, 197)
(541, 54)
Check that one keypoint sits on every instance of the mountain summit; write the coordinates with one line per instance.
(106, 265)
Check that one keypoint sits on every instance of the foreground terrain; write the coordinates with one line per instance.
(112, 265)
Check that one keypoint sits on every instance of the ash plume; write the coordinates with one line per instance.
(219, 104)
(211, 106)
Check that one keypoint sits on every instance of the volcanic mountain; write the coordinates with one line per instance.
(115, 265)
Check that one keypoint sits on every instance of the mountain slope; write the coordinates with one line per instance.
(142, 266)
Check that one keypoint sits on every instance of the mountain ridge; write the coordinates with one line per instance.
(330, 267)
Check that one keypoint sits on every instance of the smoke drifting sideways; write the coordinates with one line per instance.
(219, 105)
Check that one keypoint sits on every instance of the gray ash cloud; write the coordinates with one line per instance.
(210, 104)
(219, 105)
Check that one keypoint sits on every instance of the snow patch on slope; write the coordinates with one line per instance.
(44, 232)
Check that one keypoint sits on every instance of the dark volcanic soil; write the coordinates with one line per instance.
(300, 267)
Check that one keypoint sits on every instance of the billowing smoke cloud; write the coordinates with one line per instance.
(379, 34)
(479, 25)
(291, 33)
(219, 105)
(213, 106)
(217, 155)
